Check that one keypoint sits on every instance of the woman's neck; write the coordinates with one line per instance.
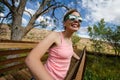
(67, 34)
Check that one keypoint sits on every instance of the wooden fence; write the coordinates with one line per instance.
(12, 66)
(77, 71)
(12, 55)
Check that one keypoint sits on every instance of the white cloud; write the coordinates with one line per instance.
(83, 32)
(32, 7)
(24, 22)
(31, 11)
(49, 22)
(107, 9)
(38, 4)
(40, 18)
(83, 35)
(1, 14)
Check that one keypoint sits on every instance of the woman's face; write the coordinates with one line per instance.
(73, 21)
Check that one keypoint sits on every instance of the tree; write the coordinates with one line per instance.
(113, 37)
(96, 33)
(101, 33)
(16, 14)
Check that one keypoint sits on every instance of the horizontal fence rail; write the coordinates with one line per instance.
(10, 44)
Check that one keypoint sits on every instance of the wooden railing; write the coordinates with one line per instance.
(77, 71)
(12, 55)
(8, 44)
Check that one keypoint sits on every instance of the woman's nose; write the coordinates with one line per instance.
(76, 21)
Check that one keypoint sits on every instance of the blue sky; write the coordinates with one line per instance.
(91, 10)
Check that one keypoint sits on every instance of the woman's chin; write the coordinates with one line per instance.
(75, 28)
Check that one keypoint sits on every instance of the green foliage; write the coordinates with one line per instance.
(97, 46)
(96, 33)
(114, 38)
(101, 33)
(75, 39)
(102, 68)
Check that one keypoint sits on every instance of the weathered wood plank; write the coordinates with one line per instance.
(80, 72)
(23, 74)
(26, 73)
(75, 70)
(13, 52)
(69, 77)
(9, 61)
(16, 45)
(13, 41)
(18, 66)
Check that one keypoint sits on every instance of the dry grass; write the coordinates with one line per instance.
(87, 42)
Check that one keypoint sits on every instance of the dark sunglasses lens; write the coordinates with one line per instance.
(72, 19)
(79, 20)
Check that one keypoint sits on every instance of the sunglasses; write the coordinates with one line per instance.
(74, 18)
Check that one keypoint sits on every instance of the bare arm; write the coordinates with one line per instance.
(33, 60)
(76, 56)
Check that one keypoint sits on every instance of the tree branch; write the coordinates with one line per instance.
(35, 16)
(42, 11)
(5, 17)
(8, 5)
(54, 6)
(13, 3)
(36, 25)
(21, 6)
(29, 13)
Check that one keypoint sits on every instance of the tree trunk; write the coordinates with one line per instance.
(17, 31)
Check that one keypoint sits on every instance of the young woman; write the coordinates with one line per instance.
(60, 49)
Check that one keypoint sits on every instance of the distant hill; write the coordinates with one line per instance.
(34, 35)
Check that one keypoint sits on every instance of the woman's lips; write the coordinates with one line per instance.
(74, 25)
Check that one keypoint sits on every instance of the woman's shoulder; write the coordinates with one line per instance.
(54, 34)
(55, 37)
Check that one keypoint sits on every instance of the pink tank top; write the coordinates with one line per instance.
(59, 59)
